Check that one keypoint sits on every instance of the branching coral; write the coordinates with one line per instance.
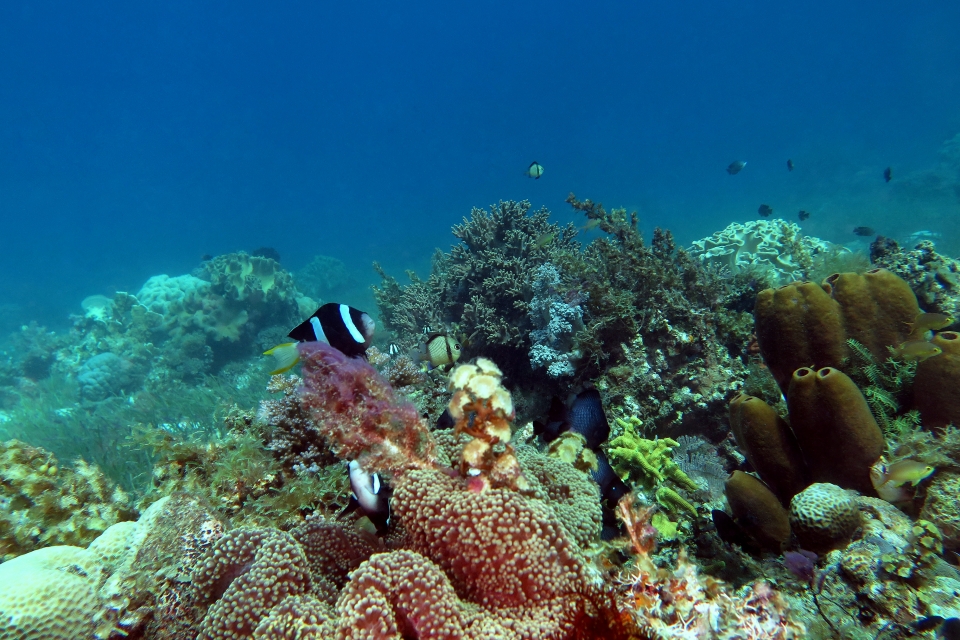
(483, 284)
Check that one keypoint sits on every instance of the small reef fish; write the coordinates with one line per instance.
(440, 350)
(736, 167)
(904, 471)
(922, 234)
(544, 239)
(890, 493)
(863, 231)
(789, 164)
(393, 349)
(887, 174)
(803, 215)
(933, 321)
(342, 327)
(371, 496)
(765, 210)
(535, 170)
(591, 224)
(917, 350)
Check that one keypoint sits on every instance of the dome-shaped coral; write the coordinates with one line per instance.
(823, 516)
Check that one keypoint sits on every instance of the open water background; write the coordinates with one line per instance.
(136, 137)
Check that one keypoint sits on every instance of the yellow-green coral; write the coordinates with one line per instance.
(672, 500)
(646, 463)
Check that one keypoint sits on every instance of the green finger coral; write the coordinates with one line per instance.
(646, 463)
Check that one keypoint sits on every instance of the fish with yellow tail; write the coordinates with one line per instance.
(341, 326)
(440, 351)
(889, 480)
(925, 324)
(917, 350)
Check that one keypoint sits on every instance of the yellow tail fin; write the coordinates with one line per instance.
(286, 356)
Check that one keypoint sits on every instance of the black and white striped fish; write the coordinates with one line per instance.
(341, 326)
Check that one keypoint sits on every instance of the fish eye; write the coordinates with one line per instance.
(457, 346)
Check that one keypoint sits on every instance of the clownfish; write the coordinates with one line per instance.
(344, 328)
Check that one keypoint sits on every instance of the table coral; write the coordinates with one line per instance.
(43, 503)
(774, 245)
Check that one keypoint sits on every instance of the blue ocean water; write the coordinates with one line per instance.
(136, 137)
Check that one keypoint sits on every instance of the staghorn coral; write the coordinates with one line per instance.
(243, 576)
(43, 503)
(359, 414)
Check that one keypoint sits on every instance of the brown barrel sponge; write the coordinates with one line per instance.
(936, 383)
(798, 325)
(769, 445)
(878, 308)
(758, 511)
(837, 434)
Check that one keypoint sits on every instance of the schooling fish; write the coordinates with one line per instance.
(863, 231)
(887, 174)
(917, 350)
(440, 350)
(803, 215)
(342, 327)
(789, 164)
(535, 170)
(765, 210)
(736, 167)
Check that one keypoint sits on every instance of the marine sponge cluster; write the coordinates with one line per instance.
(934, 277)
(776, 246)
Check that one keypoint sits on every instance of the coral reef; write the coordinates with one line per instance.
(43, 503)
(557, 321)
(775, 247)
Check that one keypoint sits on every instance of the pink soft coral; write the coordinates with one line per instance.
(359, 414)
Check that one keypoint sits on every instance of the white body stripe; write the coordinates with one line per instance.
(318, 330)
(354, 332)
